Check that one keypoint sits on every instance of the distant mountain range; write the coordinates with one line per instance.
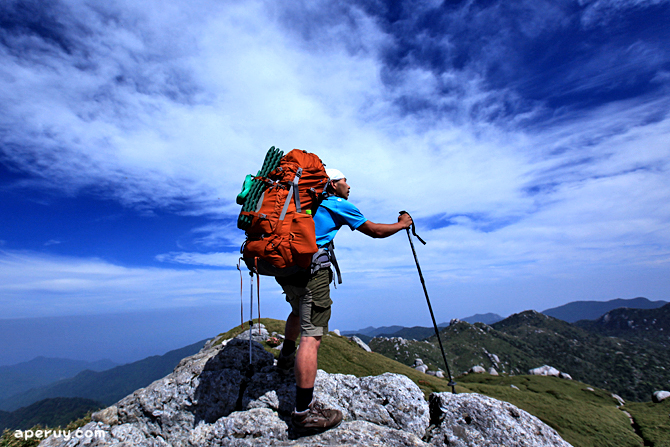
(374, 331)
(592, 310)
(42, 371)
(571, 312)
(107, 386)
(488, 318)
(640, 325)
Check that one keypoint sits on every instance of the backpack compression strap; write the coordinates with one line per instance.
(292, 193)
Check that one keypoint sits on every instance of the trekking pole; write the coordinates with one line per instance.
(451, 383)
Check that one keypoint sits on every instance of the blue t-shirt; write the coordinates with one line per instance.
(331, 215)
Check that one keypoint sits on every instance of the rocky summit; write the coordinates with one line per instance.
(219, 397)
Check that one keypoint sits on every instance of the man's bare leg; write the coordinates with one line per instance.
(292, 328)
(306, 361)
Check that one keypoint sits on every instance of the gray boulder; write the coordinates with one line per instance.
(474, 420)
(544, 370)
(363, 434)
(477, 369)
(547, 370)
(619, 400)
(360, 343)
(660, 396)
(258, 333)
(391, 400)
(248, 425)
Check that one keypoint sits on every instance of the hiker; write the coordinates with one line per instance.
(309, 296)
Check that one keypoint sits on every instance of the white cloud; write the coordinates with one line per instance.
(205, 259)
(34, 285)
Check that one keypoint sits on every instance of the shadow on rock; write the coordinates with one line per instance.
(229, 382)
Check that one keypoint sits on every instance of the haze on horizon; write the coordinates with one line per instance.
(530, 142)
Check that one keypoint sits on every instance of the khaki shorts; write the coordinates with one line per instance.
(309, 297)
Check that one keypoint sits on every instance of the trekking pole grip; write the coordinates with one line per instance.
(413, 228)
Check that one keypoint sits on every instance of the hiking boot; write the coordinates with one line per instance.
(315, 419)
(285, 364)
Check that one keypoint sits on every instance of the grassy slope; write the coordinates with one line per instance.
(580, 416)
(652, 420)
(48, 412)
(9, 440)
(465, 345)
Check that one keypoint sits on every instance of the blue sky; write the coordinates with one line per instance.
(530, 141)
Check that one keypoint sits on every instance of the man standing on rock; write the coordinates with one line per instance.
(309, 296)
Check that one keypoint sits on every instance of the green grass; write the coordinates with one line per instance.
(582, 417)
(652, 420)
(339, 355)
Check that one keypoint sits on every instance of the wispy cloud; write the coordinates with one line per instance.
(228, 260)
(602, 12)
(36, 285)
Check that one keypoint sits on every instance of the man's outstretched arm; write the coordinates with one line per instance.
(378, 230)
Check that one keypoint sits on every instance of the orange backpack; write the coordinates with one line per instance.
(278, 205)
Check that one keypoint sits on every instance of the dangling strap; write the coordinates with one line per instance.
(241, 292)
(258, 293)
(251, 312)
(333, 260)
